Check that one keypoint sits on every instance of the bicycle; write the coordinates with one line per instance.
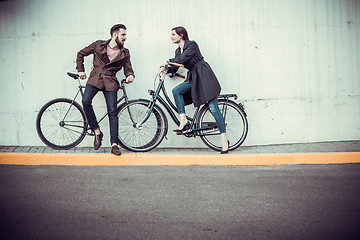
(143, 123)
(61, 123)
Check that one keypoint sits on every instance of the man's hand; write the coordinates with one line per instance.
(82, 75)
(130, 79)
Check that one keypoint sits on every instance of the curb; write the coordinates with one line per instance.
(86, 159)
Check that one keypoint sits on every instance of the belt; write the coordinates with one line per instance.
(197, 64)
(110, 73)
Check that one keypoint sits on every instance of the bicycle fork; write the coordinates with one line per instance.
(149, 110)
(150, 106)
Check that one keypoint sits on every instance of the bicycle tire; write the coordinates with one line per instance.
(235, 121)
(146, 137)
(57, 132)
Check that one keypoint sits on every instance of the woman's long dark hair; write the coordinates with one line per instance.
(181, 31)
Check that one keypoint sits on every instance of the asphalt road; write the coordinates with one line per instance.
(180, 202)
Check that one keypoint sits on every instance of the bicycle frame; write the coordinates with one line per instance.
(167, 103)
(172, 110)
(80, 91)
(65, 132)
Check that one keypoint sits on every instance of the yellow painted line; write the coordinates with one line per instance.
(177, 159)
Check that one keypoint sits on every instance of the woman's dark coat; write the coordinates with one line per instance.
(204, 84)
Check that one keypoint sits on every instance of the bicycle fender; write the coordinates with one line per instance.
(59, 99)
(145, 100)
(130, 101)
(156, 105)
(134, 100)
(241, 105)
(223, 100)
(159, 109)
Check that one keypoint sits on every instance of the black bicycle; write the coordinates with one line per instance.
(61, 123)
(143, 123)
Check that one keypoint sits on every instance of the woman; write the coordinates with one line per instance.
(201, 85)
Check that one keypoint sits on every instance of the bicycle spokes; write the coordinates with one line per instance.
(141, 128)
(235, 121)
(61, 124)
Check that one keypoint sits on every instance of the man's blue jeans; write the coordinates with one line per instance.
(111, 103)
(184, 88)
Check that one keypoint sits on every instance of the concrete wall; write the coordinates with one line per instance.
(294, 63)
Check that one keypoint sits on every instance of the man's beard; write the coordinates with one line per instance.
(119, 43)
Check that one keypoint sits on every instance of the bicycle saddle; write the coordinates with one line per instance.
(73, 75)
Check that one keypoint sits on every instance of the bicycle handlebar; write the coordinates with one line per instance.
(177, 64)
(76, 76)
(180, 75)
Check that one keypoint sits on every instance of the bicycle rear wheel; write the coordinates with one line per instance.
(61, 124)
(141, 138)
(235, 121)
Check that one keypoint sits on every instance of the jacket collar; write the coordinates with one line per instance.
(104, 53)
(104, 45)
(187, 43)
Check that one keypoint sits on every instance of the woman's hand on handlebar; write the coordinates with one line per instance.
(161, 70)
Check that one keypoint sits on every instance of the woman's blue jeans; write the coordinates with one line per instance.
(111, 103)
(184, 88)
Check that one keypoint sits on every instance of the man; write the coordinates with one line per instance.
(109, 57)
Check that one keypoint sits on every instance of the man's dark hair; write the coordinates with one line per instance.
(181, 31)
(116, 28)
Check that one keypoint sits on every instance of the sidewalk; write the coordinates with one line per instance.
(298, 153)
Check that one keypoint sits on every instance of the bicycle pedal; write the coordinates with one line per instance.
(186, 131)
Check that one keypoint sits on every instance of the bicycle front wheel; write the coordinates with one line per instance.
(61, 124)
(141, 138)
(235, 121)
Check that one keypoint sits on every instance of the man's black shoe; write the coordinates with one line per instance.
(115, 150)
(97, 141)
